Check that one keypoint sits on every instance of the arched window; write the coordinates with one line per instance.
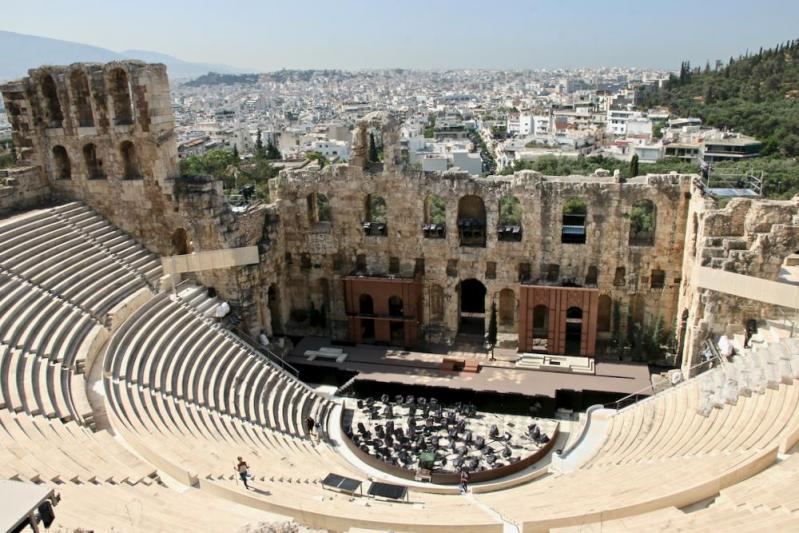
(604, 309)
(365, 305)
(643, 221)
(318, 208)
(79, 84)
(120, 97)
(507, 307)
(472, 221)
(94, 166)
(435, 217)
(436, 303)
(61, 163)
(395, 306)
(55, 117)
(130, 162)
(376, 220)
(574, 220)
(510, 219)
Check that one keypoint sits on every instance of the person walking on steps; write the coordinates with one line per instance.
(310, 424)
(464, 481)
(243, 470)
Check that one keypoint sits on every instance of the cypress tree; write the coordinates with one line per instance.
(259, 145)
(634, 166)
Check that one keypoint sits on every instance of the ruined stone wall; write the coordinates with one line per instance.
(315, 252)
(23, 188)
(104, 134)
(748, 236)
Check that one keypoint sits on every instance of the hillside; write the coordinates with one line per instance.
(215, 78)
(755, 94)
(23, 52)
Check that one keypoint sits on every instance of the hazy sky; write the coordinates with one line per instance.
(352, 34)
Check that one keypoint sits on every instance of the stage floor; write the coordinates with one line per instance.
(397, 366)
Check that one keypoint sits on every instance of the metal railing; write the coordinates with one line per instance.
(647, 393)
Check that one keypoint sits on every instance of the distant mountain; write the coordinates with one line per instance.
(19, 52)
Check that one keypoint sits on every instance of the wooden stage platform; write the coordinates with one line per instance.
(383, 364)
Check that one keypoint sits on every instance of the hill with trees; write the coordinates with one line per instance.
(756, 94)
(215, 78)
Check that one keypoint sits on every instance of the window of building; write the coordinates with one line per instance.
(573, 227)
(658, 279)
(491, 270)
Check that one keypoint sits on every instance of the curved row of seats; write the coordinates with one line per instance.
(168, 348)
(61, 271)
(191, 399)
(767, 501)
(672, 424)
(73, 253)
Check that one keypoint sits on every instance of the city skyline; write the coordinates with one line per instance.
(356, 35)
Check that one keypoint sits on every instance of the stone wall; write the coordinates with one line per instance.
(748, 236)
(23, 188)
(322, 252)
(104, 134)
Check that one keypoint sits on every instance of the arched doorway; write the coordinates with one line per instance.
(180, 242)
(473, 306)
(574, 330)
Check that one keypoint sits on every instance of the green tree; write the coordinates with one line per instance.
(634, 166)
(372, 148)
(272, 152)
(259, 145)
(319, 157)
(236, 153)
(510, 211)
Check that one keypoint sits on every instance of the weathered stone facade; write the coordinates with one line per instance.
(750, 237)
(104, 134)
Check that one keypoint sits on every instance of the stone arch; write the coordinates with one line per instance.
(604, 312)
(643, 223)
(472, 221)
(81, 98)
(130, 161)
(507, 307)
(55, 116)
(435, 210)
(61, 163)
(574, 331)
(575, 214)
(121, 97)
(376, 209)
(395, 306)
(94, 165)
(436, 303)
(366, 305)
(181, 245)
